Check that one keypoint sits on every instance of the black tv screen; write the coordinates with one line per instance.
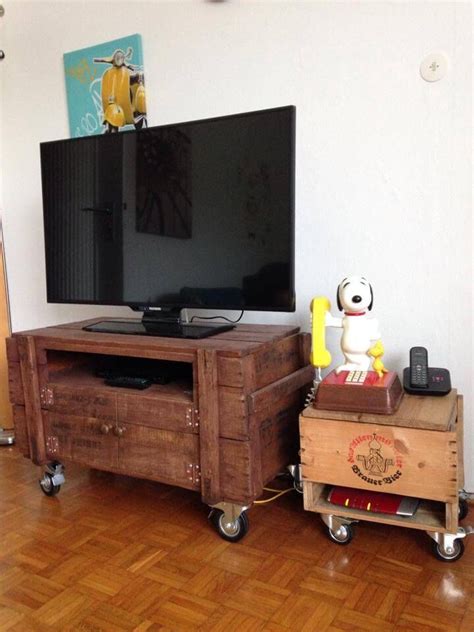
(195, 214)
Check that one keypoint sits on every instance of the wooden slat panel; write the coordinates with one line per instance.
(71, 399)
(407, 461)
(279, 437)
(233, 414)
(21, 430)
(29, 375)
(159, 455)
(15, 384)
(236, 472)
(270, 362)
(415, 411)
(12, 350)
(165, 412)
(179, 349)
(286, 385)
(6, 418)
(209, 426)
(79, 438)
(460, 437)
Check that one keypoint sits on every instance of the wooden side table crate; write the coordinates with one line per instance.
(417, 452)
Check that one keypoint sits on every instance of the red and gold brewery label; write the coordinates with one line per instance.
(375, 459)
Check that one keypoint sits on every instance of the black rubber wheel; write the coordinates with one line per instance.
(47, 485)
(343, 535)
(443, 556)
(233, 531)
(463, 509)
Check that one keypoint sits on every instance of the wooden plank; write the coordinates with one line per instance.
(407, 461)
(415, 411)
(270, 362)
(15, 384)
(279, 437)
(29, 375)
(305, 348)
(460, 439)
(180, 349)
(237, 478)
(263, 398)
(72, 399)
(429, 516)
(80, 438)
(209, 426)
(160, 455)
(12, 350)
(452, 516)
(6, 418)
(233, 414)
(163, 412)
(21, 430)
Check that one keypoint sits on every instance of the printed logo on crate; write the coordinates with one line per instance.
(375, 459)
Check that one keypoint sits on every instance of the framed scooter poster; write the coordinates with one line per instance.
(105, 86)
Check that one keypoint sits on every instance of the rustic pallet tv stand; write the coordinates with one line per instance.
(226, 423)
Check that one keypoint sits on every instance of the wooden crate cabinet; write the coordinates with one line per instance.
(225, 427)
(415, 452)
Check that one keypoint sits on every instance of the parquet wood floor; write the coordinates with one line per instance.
(116, 554)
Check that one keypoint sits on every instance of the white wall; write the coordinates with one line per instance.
(384, 162)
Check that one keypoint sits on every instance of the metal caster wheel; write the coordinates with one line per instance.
(463, 509)
(47, 485)
(53, 478)
(448, 554)
(343, 535)
(233, 530)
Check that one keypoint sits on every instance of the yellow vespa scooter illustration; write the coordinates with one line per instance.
(123, 92)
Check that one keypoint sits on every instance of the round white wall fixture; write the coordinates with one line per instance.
(434, 66)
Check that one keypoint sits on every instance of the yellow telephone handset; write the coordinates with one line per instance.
(320, 356)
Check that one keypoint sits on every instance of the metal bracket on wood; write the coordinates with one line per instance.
(57, 472)
(446, 540)
(47, 396)
(231, 511)
(335, 522)
(192, 417)
(193, 472)
(52, 445)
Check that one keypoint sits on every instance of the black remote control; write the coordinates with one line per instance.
(419, 367)
(124, 381)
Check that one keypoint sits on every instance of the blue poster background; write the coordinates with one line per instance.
(83, 83)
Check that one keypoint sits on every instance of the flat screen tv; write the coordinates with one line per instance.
(197, 214)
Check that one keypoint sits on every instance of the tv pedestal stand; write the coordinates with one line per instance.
(165, 322)
(225, 425)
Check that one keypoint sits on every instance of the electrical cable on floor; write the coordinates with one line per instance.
(278, 493)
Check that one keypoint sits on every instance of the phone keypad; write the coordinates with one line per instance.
(356, 377)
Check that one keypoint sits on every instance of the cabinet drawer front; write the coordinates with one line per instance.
(85, 402)
(81, 439)
(164, 413)
(170, 457)
(405, 461)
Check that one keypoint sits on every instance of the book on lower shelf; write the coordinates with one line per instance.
(374, 502)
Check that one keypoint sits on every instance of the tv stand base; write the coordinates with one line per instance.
(159, 328)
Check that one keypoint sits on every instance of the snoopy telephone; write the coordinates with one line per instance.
(351, 386)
